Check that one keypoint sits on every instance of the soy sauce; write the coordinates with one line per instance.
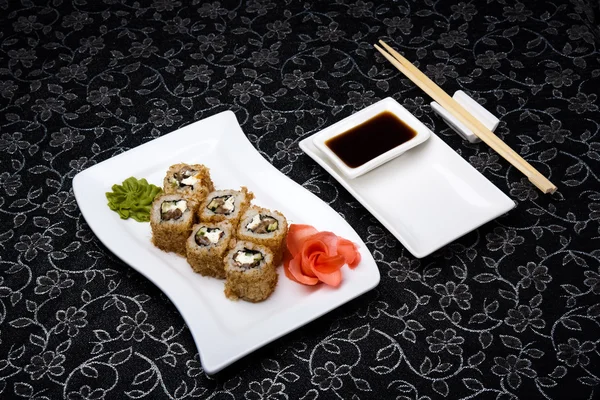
(370, 139)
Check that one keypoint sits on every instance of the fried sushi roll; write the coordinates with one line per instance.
(249, 272)
(206, 248)
(192, 181)
(265, 227)
(171, 220)
(225, 205)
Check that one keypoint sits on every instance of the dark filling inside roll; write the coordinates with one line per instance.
(184, 177)
(247, 258)
(262, 224)
(207, 236)
(222, 204)
(174, 209)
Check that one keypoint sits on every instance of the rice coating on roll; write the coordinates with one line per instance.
(225, 205)
(206, 248)
(262, 226)
(249, 272)
(171, 220)
(192, 181)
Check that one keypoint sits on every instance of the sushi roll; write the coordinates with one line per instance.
(265, 227)
(171, 220)
(192, 181)
(225, 205)
(206, 248)
(249, 272)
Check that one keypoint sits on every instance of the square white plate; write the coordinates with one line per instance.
(223, 330)
(387, 104)
(427, 197)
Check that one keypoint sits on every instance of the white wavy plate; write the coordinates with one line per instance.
(224, 330)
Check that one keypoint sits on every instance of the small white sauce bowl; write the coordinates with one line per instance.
(387, 104)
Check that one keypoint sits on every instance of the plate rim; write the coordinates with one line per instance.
(209, 365)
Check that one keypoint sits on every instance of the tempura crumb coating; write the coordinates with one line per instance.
(197, 191)
(242, 199)
(254, 284)
(208, 260)
(171, 235)
(275, 240)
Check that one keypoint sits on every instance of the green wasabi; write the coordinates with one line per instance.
(133, 199)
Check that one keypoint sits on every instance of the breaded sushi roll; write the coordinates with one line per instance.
(206, 248)
(171, 220)
(249, 272)
(265, 227)
(192, 181)
(225, 205)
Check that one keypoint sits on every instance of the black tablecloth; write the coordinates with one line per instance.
(511, 309)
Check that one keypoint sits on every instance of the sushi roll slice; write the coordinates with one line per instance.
(171, 220)
(249, 272)
(265, 227)
(225, 205)
(192, 181)
(206, 248)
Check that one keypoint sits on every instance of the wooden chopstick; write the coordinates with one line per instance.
(454, 108)
(425, 79)
(452, 105)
